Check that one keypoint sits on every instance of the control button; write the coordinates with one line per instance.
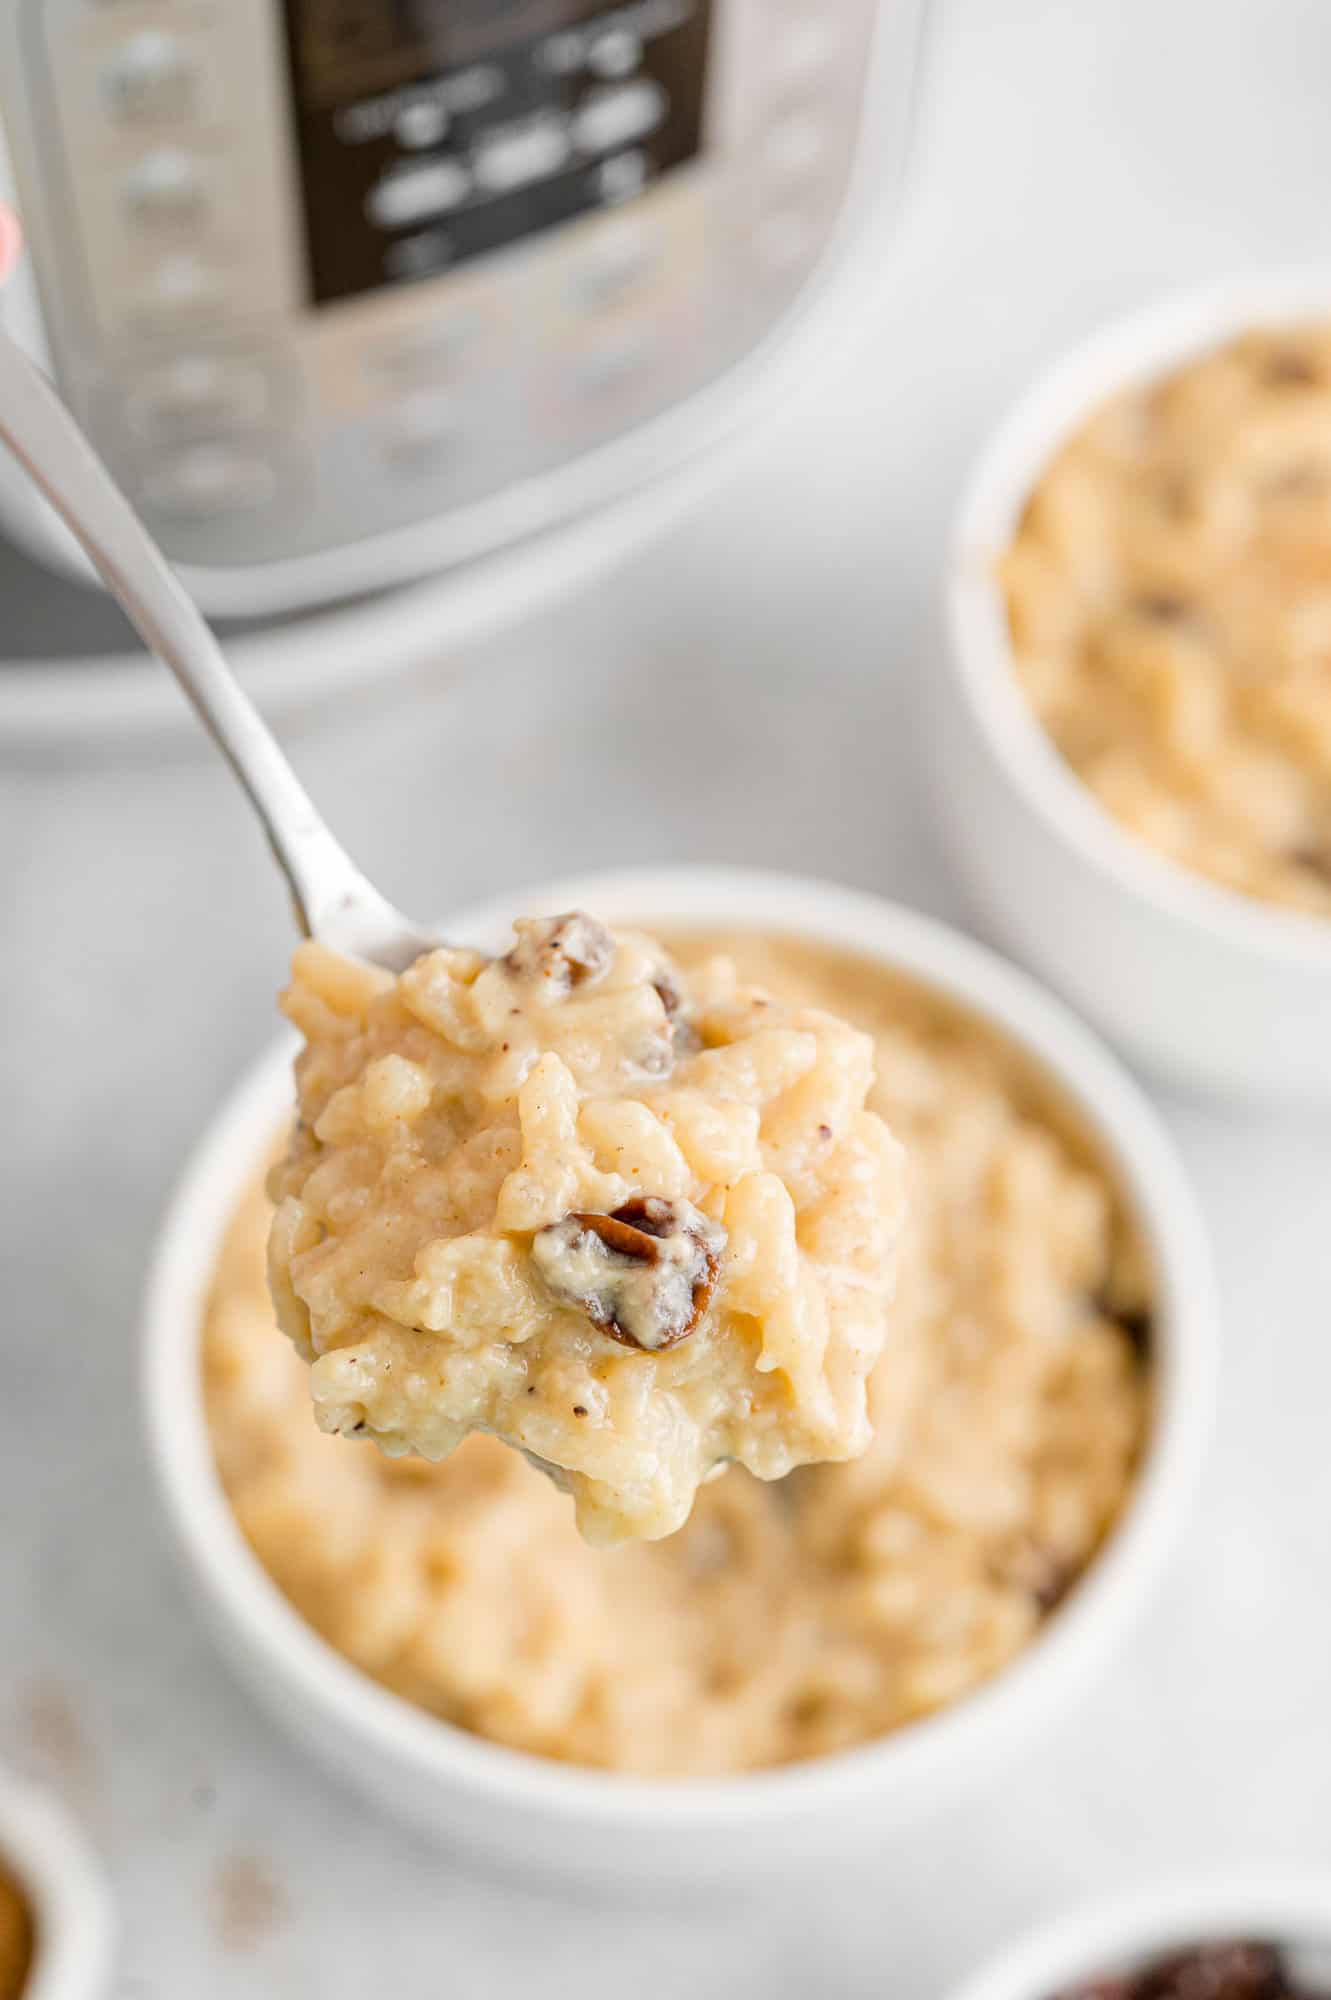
(415, 192)
(794, 146)
(617, 117)
(180, 286)
(616, 262)
(423, 431)
(209, 480)
(196, 392)
(562, 54)
(150, 78)
(424, 123)
(615, 53)
(472, 89)
(513, 159)
(622, 176)
(420, 255)
(165, 187)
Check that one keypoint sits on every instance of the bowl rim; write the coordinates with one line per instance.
(405, 1737)
(1131, 349)
(70, 1905)
(1090, 1938)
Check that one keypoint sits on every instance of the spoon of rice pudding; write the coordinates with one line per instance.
(636, 1226)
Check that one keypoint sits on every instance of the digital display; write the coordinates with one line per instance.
(433, 131)
(348, 48)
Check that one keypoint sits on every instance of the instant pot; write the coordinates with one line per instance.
(352, 291)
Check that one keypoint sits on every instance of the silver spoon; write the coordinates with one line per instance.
(333, 901)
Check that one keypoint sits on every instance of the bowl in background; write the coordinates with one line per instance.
(544, 1816)
(49, 1858)
(1198, 982)
(1119, 1937)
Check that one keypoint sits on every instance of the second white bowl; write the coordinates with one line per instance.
(542, 1815)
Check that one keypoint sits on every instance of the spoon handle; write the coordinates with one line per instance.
(327, 888)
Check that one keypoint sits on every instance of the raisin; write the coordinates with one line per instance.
(1234, 1970)
(668, 990)
(1136, 1322)
(1162, 607)
(565, 952)
(1287, 368)
(680, 1037)
(1313, 860)
(1229, 1970)
(643, 1274)
(1056, 1580)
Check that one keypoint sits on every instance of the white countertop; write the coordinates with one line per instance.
(745, 691)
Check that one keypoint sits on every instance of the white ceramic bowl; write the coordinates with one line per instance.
(71, 1909)
(1118, 1937)
(1199, 983)
(538, 1813)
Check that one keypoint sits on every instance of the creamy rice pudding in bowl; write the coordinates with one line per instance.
(1133, 740)
(806, 1663)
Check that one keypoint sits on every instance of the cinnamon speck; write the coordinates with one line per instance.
(248, 1902)
(1314, 859)
(1161, 607)
(1289, 368)
(53, 1730)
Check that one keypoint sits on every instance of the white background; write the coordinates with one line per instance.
(747, 691)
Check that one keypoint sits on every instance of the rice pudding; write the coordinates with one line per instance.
(636, 1224)
(1169, 601)
(783, 1622)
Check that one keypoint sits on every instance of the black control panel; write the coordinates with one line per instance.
(433, 131)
